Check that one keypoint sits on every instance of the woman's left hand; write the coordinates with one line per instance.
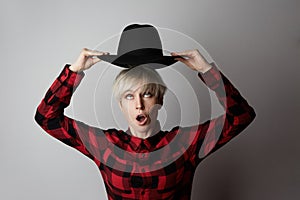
(193, 60)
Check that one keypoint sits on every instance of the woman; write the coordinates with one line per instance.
(126, 159)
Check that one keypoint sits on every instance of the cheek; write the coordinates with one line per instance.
(126, 109)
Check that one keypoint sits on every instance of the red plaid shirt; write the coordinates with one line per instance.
(137, 181)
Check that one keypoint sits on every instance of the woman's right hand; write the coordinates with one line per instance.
(86, 59)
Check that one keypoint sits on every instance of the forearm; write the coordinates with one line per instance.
(229, 97)
(59, 95)
(238, 113)
(50, 112)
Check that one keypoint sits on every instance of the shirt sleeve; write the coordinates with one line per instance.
(50, 113)
(216, 132)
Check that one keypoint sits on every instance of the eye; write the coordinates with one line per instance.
(128, 96)
(147, 95)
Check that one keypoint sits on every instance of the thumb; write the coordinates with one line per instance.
(95, 60)
(181, 58)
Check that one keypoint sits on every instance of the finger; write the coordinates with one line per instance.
(180, 56)
(182, 60)
(98, 53)
(184, 56)
(95, 60)
(98, 57)
(187, 53)
(89, 52)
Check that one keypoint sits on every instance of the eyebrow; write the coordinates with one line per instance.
(146, 88)
(127, 91)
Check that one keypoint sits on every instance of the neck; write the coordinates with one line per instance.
(149, 132)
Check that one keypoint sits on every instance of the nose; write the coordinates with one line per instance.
(139, 104)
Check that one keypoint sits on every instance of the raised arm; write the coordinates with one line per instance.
(238, 113)
(50, 112)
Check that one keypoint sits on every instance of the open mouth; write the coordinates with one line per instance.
(142, 119)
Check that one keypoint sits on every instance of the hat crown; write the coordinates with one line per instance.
(139, 44)
(136, 36)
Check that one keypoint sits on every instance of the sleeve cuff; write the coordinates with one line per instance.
(72, 79)
(212, 77)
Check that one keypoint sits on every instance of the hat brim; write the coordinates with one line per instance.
(128, 61)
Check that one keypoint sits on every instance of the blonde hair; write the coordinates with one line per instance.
(141, 76)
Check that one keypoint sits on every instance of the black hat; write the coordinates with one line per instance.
(139, 44)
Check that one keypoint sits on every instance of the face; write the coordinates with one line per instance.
(140, 109)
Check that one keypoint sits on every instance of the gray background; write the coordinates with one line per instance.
(255, 43)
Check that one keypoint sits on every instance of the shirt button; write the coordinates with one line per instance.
(142, 155)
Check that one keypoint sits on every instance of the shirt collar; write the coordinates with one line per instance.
(148, 144)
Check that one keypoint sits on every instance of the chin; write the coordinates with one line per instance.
(142, 128)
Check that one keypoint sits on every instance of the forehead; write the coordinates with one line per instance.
(139, 86)
(141, 78)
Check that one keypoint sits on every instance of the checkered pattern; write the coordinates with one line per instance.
(132, 178)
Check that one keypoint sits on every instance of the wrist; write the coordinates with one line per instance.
(74, 68)
(205, 69)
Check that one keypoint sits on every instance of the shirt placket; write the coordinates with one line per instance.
(143, 156)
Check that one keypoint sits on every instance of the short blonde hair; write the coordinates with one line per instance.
(141, 76)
